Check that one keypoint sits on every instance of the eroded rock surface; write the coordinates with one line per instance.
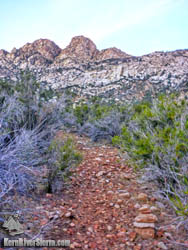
(108, 73)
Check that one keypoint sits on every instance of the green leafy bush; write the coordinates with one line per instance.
(156, 139)
(81, 112)
(64, 156)
(99, 111)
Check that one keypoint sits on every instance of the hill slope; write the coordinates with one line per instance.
(88, 71)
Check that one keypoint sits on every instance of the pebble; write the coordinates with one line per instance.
(75, 245)
(162, 245)
(98, 159)
(117, 206)
(127, 176)
(48, 195)
(90, 229)
(154, 209)
(126, 195)
(120, 234)
(68, 214)
(144, 225)
(122, 191)
(100, 155)
(109, 236)
(138, 247)
(119, 201)
(109, 228)
(137, 205)
(145, 209)
(122, 246)
(100, 173)
(56, 216)
(145, 233)
(145, 187)
(142, 197)
(148, 218)
(41, 207)
(110, 192)
(168, 235)
(132, 236)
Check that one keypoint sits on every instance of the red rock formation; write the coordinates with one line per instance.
(81, 48)
(43, 48)
(110, 53)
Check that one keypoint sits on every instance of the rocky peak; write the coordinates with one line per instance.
(111, 53)
(40, 53)
(42, 49)
(3, 53)
(14, 50)
(81, 48)
(45, 47)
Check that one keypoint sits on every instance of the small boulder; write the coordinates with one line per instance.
(143, 225)
(142, 197)
(161, 245)
(145, 209)
(125, 195)
(148, 218)
(145, 233)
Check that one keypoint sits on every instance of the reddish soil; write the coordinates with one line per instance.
(92, 213)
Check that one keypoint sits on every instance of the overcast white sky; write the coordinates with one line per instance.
(137, 27)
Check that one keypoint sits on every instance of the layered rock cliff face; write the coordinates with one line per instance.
(88, 71)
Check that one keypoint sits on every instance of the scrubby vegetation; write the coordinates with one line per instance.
(153, 134)
(28, 123)
(64, 156)
(95, 118)
(156, 139)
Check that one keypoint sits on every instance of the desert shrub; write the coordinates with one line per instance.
(156, 139)
(79, 115)
(64, 156)
(90, 112)
(23, 101)
(96, 119)
(18, 160)
(81, 112)
(27, 126)
(105, 128)
(99, 111)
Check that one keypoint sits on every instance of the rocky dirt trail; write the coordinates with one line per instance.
(105, 208)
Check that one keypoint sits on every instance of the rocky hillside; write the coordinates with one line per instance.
(88, 71)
